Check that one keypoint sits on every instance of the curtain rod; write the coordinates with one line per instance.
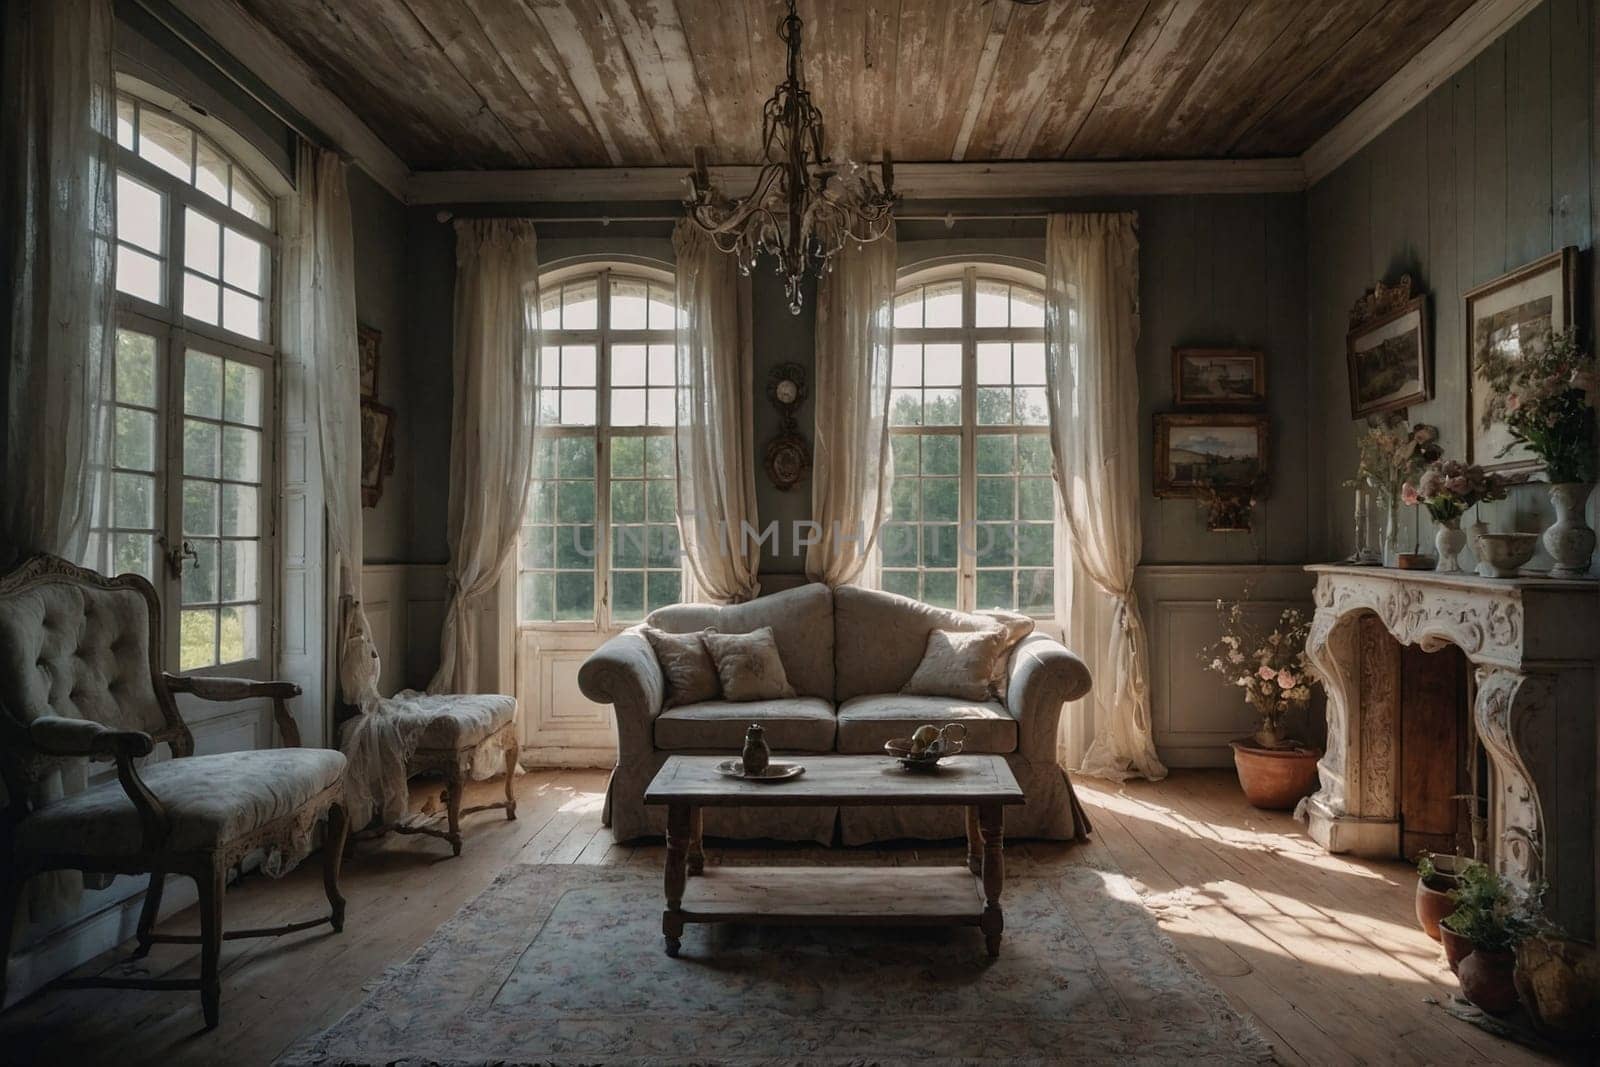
(949, 218)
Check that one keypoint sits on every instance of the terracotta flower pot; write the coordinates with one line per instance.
(1434, 903)
(1275, 779)
(1559, 983)
(1486, 980)
(1456, 948)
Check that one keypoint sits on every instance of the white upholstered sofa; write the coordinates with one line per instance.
(847, 653)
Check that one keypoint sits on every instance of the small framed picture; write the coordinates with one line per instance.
(367, 342)
(1219, 377)
(1390, 362)
(1221, 450)
(1511, 314)
(377, 450)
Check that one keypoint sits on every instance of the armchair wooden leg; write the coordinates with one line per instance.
(10, 896)
(452, 805)
(149, 912)
(511, 778)
(211, 885)
(332, 861)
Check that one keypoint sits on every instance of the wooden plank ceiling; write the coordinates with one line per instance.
(464, 84)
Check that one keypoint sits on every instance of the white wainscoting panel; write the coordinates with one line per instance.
(560, 726)
(1194, 712)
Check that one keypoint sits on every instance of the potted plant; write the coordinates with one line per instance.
(1436, 877)
(1495, 916)
(1274, 771)
(1390, 455)
(1447, 488)
(1545, 397)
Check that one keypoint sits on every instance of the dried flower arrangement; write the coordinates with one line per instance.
(1545, 397)
(1271, 668)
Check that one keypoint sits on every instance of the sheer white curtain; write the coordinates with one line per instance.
(57, 221)
(851, 467)
(715, 438)
(57, 207)
(492, 424)
(1091, 332)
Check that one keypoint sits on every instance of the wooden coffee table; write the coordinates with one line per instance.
(874, 896)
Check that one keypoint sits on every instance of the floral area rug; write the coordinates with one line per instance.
(565, 965)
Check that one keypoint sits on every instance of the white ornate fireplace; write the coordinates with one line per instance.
(1534, 645)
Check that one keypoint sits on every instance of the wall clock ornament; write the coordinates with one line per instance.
(788, 455)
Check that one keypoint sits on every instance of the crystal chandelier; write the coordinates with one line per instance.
(804, 208)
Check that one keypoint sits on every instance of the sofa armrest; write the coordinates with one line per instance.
(1044, 675)
(624, 673)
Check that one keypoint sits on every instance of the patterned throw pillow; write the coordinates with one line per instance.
(749, 666)
(687, 666)
(1015, 626)
(958, 664)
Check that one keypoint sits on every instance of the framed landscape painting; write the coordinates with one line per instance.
(1512, 313)
(1224, 450)
(1389, 360)
(1218, 377)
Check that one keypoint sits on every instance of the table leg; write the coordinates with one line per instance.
(679, 819)
(974, 842)
(697, 844)
(991, 824)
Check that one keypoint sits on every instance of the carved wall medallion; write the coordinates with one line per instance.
(788, 455)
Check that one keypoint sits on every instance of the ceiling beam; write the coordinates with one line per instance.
(267, 59)
(1474, 30)
(913, 181)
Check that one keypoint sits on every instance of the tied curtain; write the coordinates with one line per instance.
(57, 228)
(715, 440)
(851, 469)
(492, 424)
(1091, 330)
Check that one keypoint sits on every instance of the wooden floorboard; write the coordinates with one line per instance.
(1323, 952)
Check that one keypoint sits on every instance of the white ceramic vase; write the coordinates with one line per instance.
(1449, 539)
(1570, 541)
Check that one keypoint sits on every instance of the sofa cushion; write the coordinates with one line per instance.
(879, 638)
(865, 723)
(802, 625)
(686, 665)
(209, 800)
(748, 665)
(959, 665)
(799, 724)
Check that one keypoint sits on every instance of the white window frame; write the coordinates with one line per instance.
(969, 335)
(175, 333)
(603, 338)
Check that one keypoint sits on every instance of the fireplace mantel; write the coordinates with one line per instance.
(1535, 644)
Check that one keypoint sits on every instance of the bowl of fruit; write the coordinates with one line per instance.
(923, 750)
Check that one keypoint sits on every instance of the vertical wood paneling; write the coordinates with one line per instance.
(1491, 170)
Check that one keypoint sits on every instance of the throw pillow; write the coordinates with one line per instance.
(749, 666)
(687, 666)
(958, 664)
(1015, 627)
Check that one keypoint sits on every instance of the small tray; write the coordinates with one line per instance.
(775, 772)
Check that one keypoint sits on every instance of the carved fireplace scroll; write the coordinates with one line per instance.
(1533, 646)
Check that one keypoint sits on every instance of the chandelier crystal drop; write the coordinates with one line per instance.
(804, 208)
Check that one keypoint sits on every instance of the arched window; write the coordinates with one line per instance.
(190, 499)
(972, 521)
(599, 541)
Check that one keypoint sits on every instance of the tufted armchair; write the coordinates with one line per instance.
(80, 679)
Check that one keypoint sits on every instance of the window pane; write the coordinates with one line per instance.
(661, 500)
(133, 554)
(197, 639)
(905, 495)
(199, 509)
(663, 309)
(993, 544)
(994, 363)
(1035, 498)
(627, 407)
(574, 596)
(662, 406)
(136, 368)
(939, 588)
(243, 261)
(996, 453)
(658, 459)
(1029, 368)
(628, 304)
(940, 544)
(241, 454)
(575, 548)
(200, 299)
(238, 633)
(908, 309)
(905, 407)
(124, 122)
(992, 302)
(202, 250)
(166, 143)
(237, 570)
(1036, 592)
(1027, 307)
(627, 501)
(628, 365)
(549, 366)
(136, 440)
(907, 367)
(133, 500)
(627, 596)
(995, 590)
(250, 200)
(140, 216)
(662, 548)
(575, 457)
(899, 540)
(941, 407)
(200, 574)
(575, 502)
(941, 365)
(627, 457)
(202, 385)
(211, 171)
(139, 275)
(994, 407)
(241, 510)
(241, 314)
(1031, 407)
(202, 443)
(577, 365)
(664, 587)
(577, 407)
(663, 365)
(580, 309)
(242, 393)
(1036, 545)
(996, 498)
(628, 546)
(942, 304)
(902, 582)
(534, 596)
(941, 499)
(537, 547)
(1033, 454)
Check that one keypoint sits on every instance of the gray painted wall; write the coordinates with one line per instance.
(1493, 169)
